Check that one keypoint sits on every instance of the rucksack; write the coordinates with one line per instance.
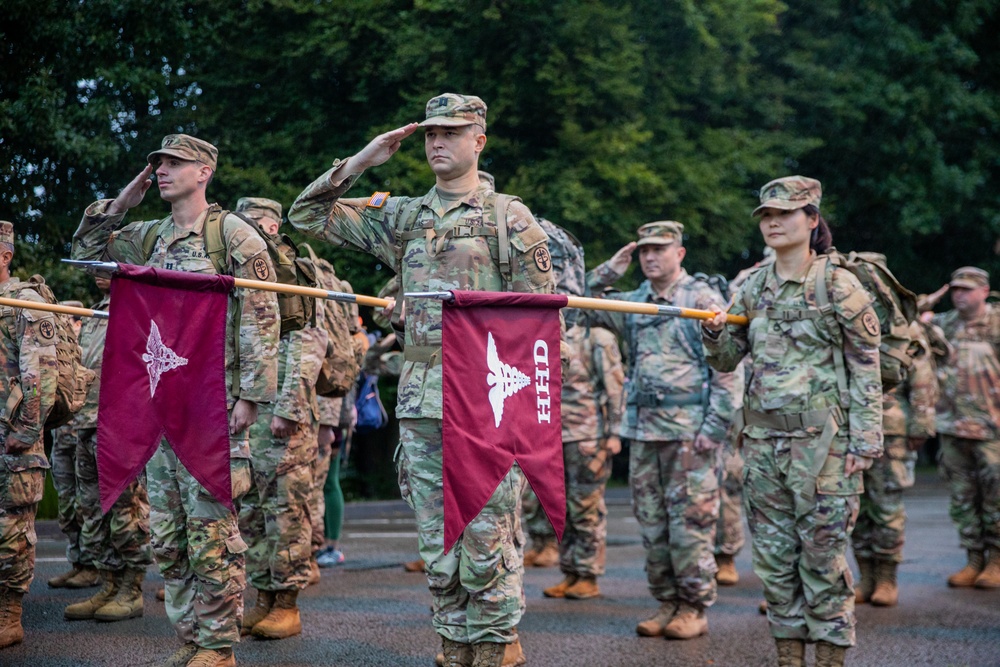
(289, 269)
(371, 413)
(894, 305)
(341, 362)
(74, 378)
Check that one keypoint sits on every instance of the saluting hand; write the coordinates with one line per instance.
(133, 193)
(381, 148)
(621, 260)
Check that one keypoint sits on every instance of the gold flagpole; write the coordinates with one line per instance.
(54, 308)
(613, 305)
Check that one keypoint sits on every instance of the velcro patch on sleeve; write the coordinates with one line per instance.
(378, 200)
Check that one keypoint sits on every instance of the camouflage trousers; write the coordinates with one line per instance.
(729, 539)
(198, 550)
(317, 501)
(63, 460)
(800, 556)
(675, 499)
(533, 519)
(972, 468)
(475, 587)
(275, 519)
(879, 532)
(20, 493)
(585, 538)
(119, 538)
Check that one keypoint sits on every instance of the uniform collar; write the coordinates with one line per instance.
(671, 290)
(474, 199)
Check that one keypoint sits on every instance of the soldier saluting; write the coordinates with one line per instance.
(455, 237)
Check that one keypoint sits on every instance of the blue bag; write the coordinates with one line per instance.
(371, 413)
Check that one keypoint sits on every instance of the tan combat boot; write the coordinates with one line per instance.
(414, 565)
(161, 594)
(967, 575)
(830, 655)
(265, 600)
(559, 590)
(791, 652)
(87, 577)
(990, 576)
(886, 592)
(513, 655)
(689, 622)
(548, 556)
(181, 656)
(11, 631)
(584, 589)
(866, 582)
(488, 654)
(762, 608)
(127, 602)
(653, 626)
(283, 620)
(84, 611)
(727, 574)
(59, 581)
(213, 657)
(455, 654)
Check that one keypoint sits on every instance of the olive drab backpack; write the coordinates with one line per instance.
(289, 269)
(341, 364)
(74, 378)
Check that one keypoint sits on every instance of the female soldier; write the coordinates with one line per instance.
(813, 420)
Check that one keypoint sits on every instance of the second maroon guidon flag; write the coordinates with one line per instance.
(164, 375)
(501, 395)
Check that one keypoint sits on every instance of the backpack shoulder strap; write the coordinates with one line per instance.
(149, 238)
(215, 237)
(824, 279)
(501, 203)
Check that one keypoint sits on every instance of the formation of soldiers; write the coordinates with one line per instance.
(680, 396)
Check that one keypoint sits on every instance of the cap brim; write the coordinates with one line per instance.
(446, 122)
(780, 204)
(166, 151)
(967, 284)
(655, 240)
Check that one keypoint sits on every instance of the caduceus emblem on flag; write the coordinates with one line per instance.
(501, 393)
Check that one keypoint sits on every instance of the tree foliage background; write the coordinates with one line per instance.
(603, 115)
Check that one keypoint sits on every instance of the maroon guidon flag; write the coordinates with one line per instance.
(164, 375)
(502, 384)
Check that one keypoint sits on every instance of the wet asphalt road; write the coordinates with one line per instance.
(369, 612)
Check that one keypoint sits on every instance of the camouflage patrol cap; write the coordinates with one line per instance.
(72, 303)
(7, 234)
(790, 193)
(970, 277)
(453, 110)
(566, 251)
(663, 232)
(258, 207)
(185, 147)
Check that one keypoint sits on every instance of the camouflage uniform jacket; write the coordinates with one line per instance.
(908, 409)
(593, 386)
(92, 335)
(28, 384)
(462, 262)
(326, 276)
(300, 357)
(184, 250)
(792, 369)
(667, 362)
(969, 404)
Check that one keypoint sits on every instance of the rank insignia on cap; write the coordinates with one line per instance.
(378, 200)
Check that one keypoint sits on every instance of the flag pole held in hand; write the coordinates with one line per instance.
(587, 303)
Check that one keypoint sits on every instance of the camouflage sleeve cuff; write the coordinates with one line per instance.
(866, 449)
(602, 276)
(714, 340)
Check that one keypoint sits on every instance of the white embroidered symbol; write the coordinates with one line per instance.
(504, 380)
(159, 358)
